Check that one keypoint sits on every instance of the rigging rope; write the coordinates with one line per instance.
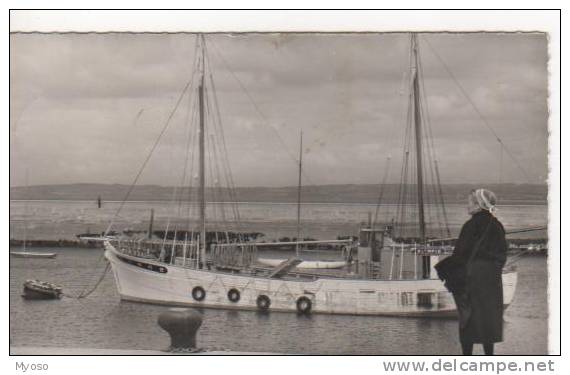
(223, 181)
(437, 189)
(220, 158)
(381, 194)
(131, 187)
(402, 194)
(225, 160)
(264, 119)
(444, 210)
(464, 92)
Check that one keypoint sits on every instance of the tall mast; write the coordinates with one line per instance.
(418, 134)
(299, 194)
(202, 195)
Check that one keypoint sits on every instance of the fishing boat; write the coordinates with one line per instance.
(211, 271)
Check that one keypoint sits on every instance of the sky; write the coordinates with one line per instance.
(87, 108)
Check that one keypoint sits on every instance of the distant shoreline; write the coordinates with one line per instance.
(360, 194)
(512, 203)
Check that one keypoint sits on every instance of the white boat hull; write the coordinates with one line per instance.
(28, 254)
(306, 264)
(145, 280)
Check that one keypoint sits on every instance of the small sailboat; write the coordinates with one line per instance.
(25, 253)
(32, 254)
(304, 264)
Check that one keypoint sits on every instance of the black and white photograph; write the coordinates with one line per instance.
(280, 192)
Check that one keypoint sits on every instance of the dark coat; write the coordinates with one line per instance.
(481, 309)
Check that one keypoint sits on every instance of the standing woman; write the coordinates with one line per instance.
(482, 248)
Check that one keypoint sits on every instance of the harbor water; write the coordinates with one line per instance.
(102, 320)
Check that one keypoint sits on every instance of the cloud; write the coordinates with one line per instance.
(76, 102)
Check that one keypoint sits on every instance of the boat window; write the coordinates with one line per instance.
(406, 298)
(424, 299)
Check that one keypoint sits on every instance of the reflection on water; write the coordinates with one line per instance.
(102, 321)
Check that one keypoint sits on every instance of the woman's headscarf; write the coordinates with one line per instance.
(485, 199)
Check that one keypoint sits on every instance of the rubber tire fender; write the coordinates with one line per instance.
(304, 305)
(233, 295)
(263, 302)
(198, 293)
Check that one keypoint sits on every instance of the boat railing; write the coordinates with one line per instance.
(185, 253)
(232, 255)
(164, 250)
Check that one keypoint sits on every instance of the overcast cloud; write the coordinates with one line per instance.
(75, 98)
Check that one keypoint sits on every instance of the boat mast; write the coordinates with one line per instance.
(151, 223)
(418, 134)
(26, 214)
(201, 193)
(299, 194)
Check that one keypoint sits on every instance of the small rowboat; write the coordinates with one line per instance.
(36, 289)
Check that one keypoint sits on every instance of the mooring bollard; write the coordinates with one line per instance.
(182, 326)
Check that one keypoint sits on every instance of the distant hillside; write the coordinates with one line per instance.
(456, 193)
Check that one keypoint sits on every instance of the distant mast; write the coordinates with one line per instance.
(299, 194)
(418, 135)
(150, 223)
(26, 214)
